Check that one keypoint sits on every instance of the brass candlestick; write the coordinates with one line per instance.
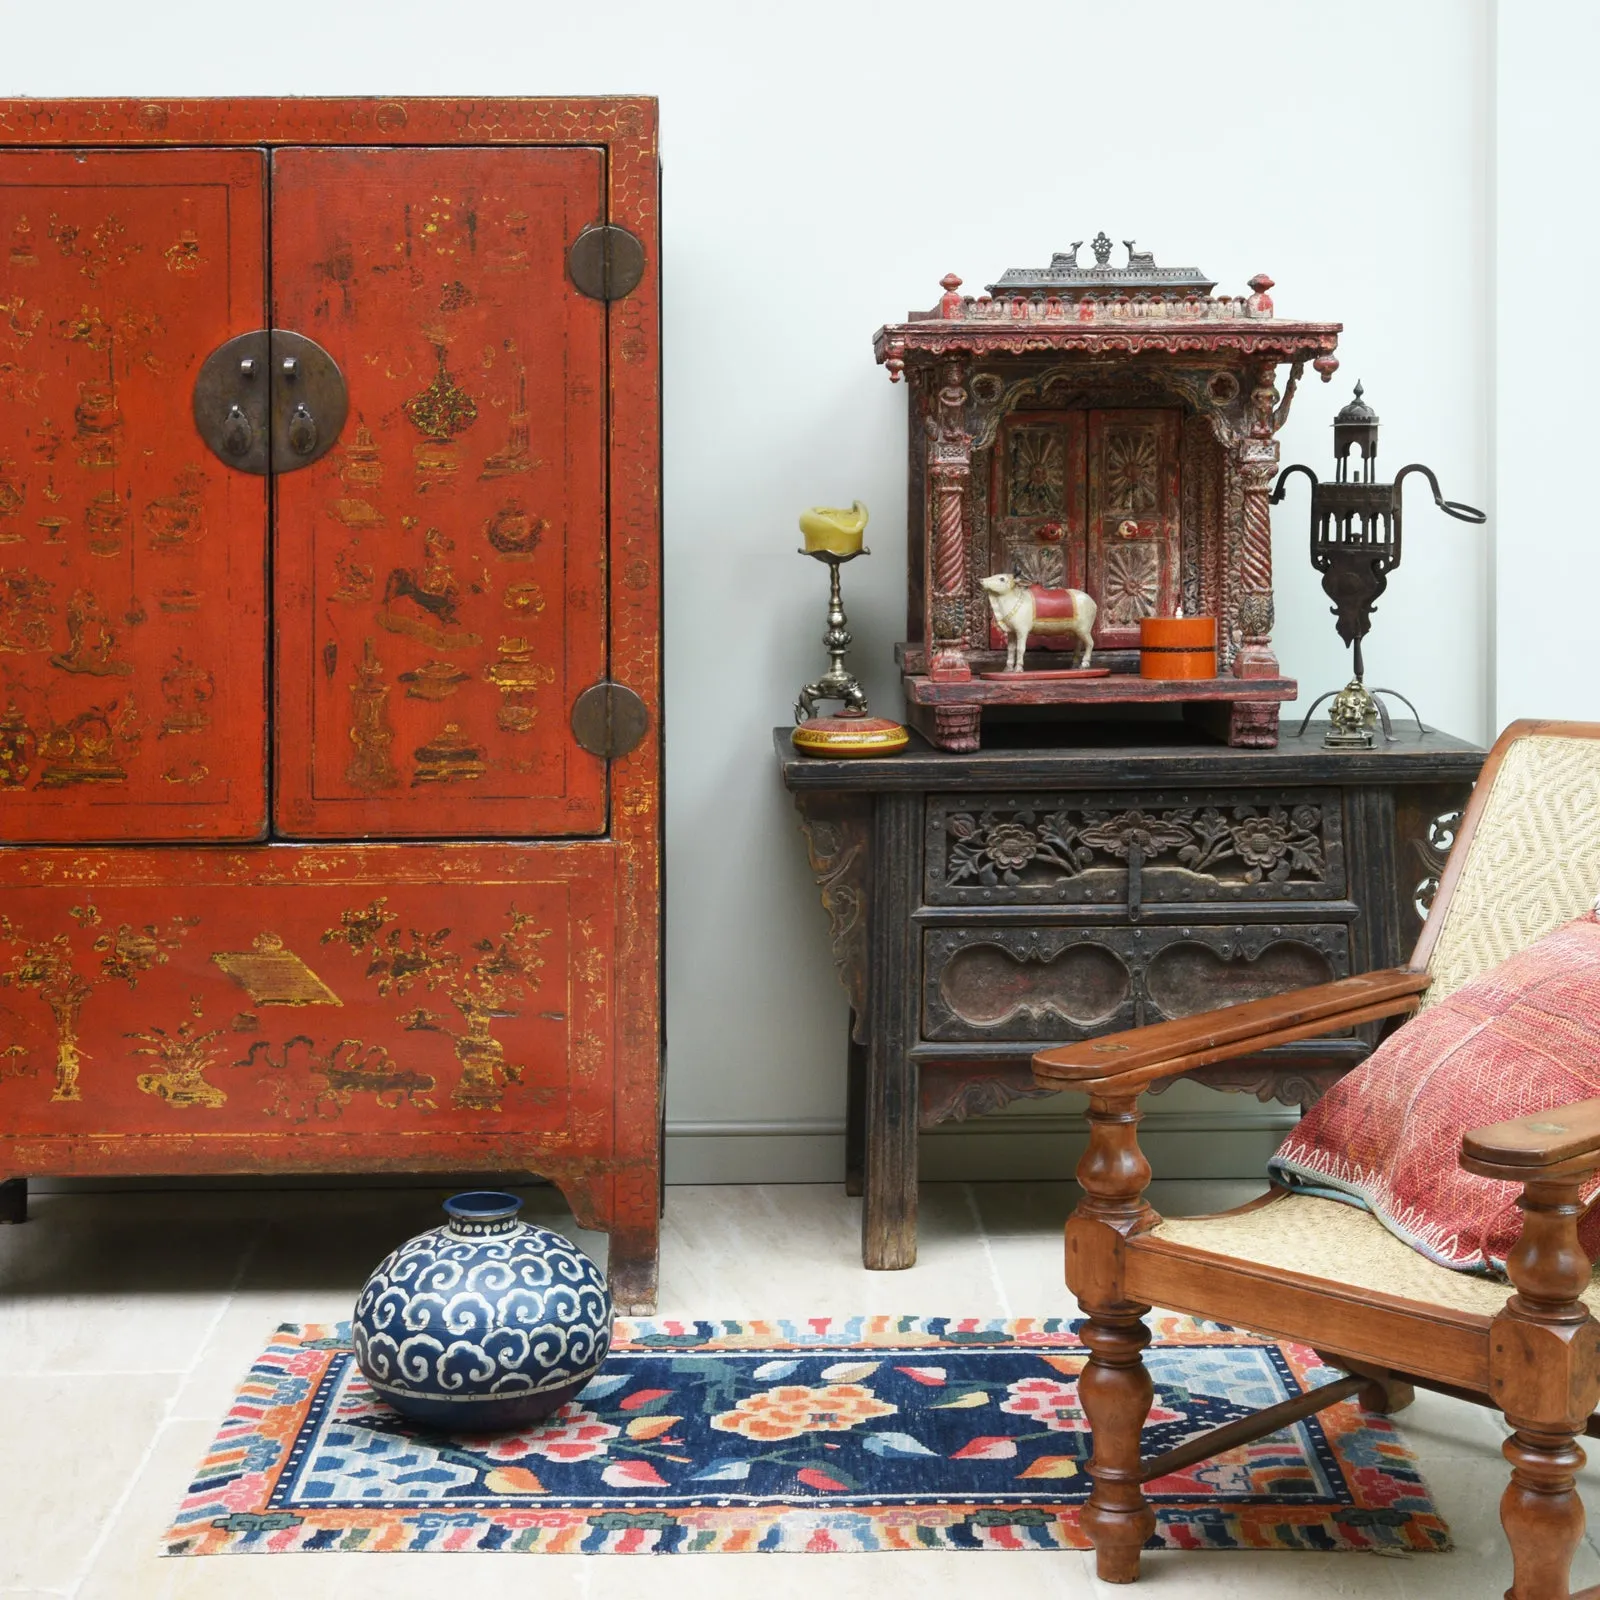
(837, 683)
(835, 537)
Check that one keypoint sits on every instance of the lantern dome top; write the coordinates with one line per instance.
(1357, 413)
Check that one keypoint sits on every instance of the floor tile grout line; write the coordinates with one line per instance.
(976, 1213)
(86, 1569)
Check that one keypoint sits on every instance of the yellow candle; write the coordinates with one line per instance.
(833, 531)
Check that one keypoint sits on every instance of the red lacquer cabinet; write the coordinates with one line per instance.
(330, 644)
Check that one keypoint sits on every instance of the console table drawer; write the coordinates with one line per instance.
(1127, 847)
(1060, 984)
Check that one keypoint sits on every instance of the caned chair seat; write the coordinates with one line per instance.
(1340, 1244)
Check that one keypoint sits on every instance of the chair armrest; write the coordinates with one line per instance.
(1561, 1142)
(1126, 1061)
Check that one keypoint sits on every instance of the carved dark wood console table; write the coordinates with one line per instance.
(983, 905)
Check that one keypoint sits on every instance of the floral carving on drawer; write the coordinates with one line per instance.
(1061, 984)
(1108, 848)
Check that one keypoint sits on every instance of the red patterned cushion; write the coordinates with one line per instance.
(1521, 1039)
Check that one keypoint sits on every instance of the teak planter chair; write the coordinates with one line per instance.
(1526, 860)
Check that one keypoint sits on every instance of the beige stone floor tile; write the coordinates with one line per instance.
(1438, 1428)
(1031, 1274)
(124, 1283)
(1270, 1575)
(926, 1575)
(74, 1443)
(793, 1250)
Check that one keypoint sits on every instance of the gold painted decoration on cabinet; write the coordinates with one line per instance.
(145, 998)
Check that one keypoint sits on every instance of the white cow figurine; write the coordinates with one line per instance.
(1020, 609)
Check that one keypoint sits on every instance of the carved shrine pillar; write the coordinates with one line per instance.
(1256, 463)
(950, 485)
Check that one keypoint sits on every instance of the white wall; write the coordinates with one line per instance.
(1546, 570)
(825, 164)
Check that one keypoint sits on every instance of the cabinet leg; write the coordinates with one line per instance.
(631, 1270)
(14, 1200)
(855, 1113)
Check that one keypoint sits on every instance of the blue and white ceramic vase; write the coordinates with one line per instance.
(484, 1325)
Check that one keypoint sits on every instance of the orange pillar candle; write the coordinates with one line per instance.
(1178, 647)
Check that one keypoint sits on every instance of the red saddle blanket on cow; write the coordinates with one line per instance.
(1047, 603)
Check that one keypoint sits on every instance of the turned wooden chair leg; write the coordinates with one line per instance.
(1116, 1393)
(1114, 1389)
(1544, 1370)
(1541, 1513)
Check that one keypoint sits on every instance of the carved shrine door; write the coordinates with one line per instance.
(132, 562)
(440, 575)
(1090, 500)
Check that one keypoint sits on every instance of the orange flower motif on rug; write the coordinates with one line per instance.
(1056, 1405)
(792, 1409)
(571, 1434)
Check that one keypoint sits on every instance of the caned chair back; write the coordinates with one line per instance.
(1526, 857)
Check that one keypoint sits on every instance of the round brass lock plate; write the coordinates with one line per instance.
(270, 401)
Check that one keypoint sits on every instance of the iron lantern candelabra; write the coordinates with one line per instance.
(1355, 545)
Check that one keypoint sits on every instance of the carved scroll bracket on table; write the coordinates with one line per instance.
(837, 829)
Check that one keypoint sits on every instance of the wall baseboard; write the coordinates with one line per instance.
(1180, 1144)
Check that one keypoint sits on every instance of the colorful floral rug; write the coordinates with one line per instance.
(847, 1434)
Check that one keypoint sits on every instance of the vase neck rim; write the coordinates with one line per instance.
(482, 1211)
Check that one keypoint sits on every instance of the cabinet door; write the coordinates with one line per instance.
(132, 562)
(440, 576)
(1133, 520)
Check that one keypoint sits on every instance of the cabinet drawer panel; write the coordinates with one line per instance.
(1169, 847)
(378, 990)
(1060, 984)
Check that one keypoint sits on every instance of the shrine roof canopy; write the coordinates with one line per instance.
(1132, 309)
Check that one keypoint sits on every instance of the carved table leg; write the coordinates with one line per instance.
(1114, 1388)
(894, 994)
(14, 1200)
(1544, 1371)
(838, 830)
(855, 1113)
